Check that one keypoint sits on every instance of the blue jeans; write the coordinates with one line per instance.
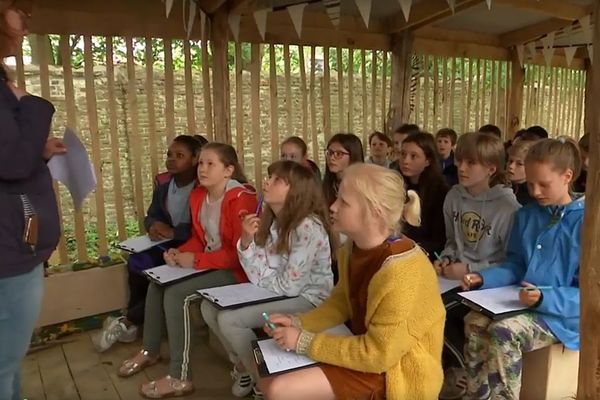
(20, 303)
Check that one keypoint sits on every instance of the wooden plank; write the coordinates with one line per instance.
(515, 108)
(350, 116)
(189, 89)
(556, 96)
(553, 8)
(274, 105)
(57, 380)
(483, 120)
(477, 93)
(135, 140)
(326, 94)
(452, 93)
(149, 57)
(239, 104)
(417, 113)
(426, 95)
(428, 13)
(402, 54)
(445, 92)
(313, 104)
(384, 105)
(458, 35)
(219, 29)
(89, 375)
(31, 379)
(373, 89)
(65, 51)
(289, 102)
(208, 110)
(469, 95)
(436, 93)
(255, 112)
(304, 92)
(169, 90)
(572, 104)
(580, 101)
(20, 68)
(463, 100)
(363, 69)
(340, 74)
(92, 114)
(493, 93)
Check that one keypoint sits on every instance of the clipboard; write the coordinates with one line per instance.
(138, 244)
(239, 295)
(261, 365)
(496, 304)
(165, 275)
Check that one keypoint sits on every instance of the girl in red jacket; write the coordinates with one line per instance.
(216, 208)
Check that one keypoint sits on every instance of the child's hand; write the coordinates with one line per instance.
(165, 231)
(170, 257)
(286, 338)
(186, 260)
(440, 264)
(250, 224)
(471, 281)
(154, 234)
(455, 270)
(529, 297)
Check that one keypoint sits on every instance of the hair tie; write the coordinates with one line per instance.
(562, 140)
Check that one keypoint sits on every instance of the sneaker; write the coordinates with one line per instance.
(113, 330)
(257, 394)
(455, 384)
(130, 335)
(243, 385)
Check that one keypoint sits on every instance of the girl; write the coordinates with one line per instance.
(294, 149)
(380, 146)
(168, 217)
(543, 257)
(287, 250)
(478, 214)
(401, 133)
(421, 171)
(216, 207)
(388, 293)
(343, 149)
(515, 168)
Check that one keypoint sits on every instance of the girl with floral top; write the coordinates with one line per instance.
(286, 250)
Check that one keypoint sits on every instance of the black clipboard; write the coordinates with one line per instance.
(493, 316)
(215, 301)
(261, 365)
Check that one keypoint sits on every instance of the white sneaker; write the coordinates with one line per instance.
(113, 330)
(257, 394)
(455, 384)
(243, 385)
(130, 335)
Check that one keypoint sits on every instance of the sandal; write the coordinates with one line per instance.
(137, 363)
(166, 387)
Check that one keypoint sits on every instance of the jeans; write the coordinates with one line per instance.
(20, 303)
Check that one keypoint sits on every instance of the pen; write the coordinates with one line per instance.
(260, 204)
(269, 323)
(532, 288)
(437, 256)
(161, 247)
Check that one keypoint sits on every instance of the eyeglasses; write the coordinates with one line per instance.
(335, 154)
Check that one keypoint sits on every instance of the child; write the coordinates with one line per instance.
(491, 129)
(584, 149)
(543, 256)
(343, 149)
(401, 133)
(446, 140)
(420, 169)
(287, 250)
(168, 217)
(216, 207)
(515, 168)
(387, 292)
(294, 149)
(478, 213)
(165, 177)
(380, 146)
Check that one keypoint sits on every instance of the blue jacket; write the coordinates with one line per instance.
(543, 249)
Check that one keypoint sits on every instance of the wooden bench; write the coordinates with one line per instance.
(550, 374)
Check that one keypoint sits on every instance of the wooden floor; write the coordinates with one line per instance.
(74, 371)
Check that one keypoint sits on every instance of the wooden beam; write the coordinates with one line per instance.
(455, 35)
(589, 355)
(515, 105)
(211, 6)
(589, 102)
(560, 9)
(220, 75)
(399, 111)
(427, 13)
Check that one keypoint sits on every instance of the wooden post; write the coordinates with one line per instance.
(399, 111)
(589, 106)
(589, 355)
(515, 104)
(219, 29)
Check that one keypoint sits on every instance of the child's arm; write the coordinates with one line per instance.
(561, 302)
(154, 211)
(182, 231)
(332, 312)
(306, 243)
(450, 248)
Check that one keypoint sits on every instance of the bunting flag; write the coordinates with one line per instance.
(364, 7)
(569, 54)
(168, 7)
(192, 9)
(521, 54)
(548, 50)
(333, 8)
(296, 14)
(260, 17)
(452, 4)
(586, 28)
(234, 24)
(489, 4)
(591, 53)
(531, 48)
(406, 5)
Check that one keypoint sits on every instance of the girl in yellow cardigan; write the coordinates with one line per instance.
(388, 296)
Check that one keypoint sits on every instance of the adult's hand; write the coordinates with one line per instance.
(53, 146)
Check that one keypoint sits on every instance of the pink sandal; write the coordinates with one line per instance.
(137, 363)
(166, 387)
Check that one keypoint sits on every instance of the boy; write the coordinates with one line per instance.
(445, 141)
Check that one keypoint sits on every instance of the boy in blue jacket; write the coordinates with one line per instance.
(543, 257)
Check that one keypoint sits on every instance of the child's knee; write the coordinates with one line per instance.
(273, 388)
(501, 332)
(475, 321)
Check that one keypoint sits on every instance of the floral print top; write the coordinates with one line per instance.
(305, 271)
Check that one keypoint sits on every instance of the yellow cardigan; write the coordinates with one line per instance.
(405, 326)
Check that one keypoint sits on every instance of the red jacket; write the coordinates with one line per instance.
(237, 201)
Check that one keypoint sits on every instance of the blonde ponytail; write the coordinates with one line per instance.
(412, 209)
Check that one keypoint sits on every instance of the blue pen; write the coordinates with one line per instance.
(268, 321)
(532, 288)
(161, 247)
(260, 204)
(437, 256)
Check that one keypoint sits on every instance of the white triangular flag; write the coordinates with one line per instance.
(569, 54)
(452, 4)
(548, 50)
(406, 5)
(489, 4)
(296, 14)
(333, 8)
(591, 52)
(586, 28)
(260, 17)
(191, 16)
(521, 54)
(531, 48)
(168, 7)
(364, 7)
(234, 24)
